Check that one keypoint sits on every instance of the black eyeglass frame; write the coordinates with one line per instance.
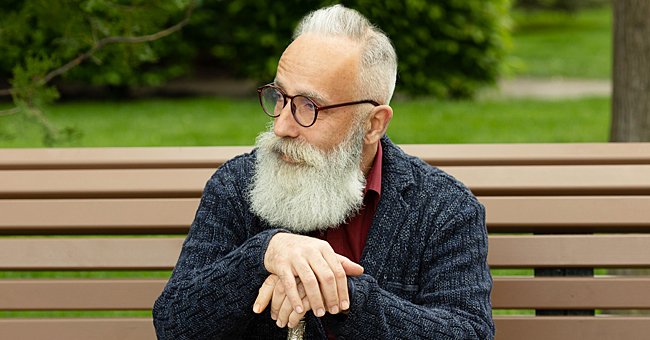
(317, 108)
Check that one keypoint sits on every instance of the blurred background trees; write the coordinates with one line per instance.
(447, 48)
(449, 52)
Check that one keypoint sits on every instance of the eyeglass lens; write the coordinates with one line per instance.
(303, 109)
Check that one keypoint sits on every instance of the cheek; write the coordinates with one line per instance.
(324, 139)
(327, 134)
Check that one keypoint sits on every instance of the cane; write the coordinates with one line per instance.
(298, 332)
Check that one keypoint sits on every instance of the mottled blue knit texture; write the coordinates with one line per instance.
(426, 275)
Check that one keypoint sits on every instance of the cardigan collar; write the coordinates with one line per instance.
(392, 209)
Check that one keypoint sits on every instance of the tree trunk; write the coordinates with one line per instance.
(631, 78)
(631, 98)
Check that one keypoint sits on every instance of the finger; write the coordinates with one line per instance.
(330, 274)
(351, 268)
(265, 293)
(283, 314)
(286, 309)
(289, 281)
(311, 284)
(279, 297)
(341, 282)
(294, 318)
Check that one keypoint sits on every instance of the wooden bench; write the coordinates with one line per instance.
(570, 207)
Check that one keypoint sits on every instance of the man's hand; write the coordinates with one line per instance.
(309, 262)
(281, 310)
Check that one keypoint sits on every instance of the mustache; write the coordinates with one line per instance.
(297, 151)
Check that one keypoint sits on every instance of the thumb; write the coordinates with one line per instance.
(351, 268)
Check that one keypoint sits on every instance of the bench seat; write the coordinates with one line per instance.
(550, 207)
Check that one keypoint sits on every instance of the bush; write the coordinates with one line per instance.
(54, 32)
(447, 48)
(561, 5)
(246, 37)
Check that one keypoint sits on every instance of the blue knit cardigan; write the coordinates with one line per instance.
(426, 275)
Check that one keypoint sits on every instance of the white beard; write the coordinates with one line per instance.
(322, 190)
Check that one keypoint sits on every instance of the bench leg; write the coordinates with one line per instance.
(564, 272)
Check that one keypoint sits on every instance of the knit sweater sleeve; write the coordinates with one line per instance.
(220, 268)
(452, 300)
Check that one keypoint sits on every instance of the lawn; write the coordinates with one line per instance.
(222, 121)
(555, 44)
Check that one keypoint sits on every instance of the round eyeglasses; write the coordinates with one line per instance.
(304, 109)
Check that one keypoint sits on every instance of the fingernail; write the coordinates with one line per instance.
(298, 309)
(345, 304)
(320, 312)
(279, 323)
(334, 309)
(256, 308)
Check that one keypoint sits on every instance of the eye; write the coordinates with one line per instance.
(309, 105)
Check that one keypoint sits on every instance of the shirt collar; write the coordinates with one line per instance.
(373, 180)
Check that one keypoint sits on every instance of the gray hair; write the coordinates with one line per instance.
(378, 66)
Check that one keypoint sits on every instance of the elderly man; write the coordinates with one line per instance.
(327, 221)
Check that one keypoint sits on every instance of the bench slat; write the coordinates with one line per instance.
(508, 327)
(567, 213)
(441, 154)
(120, 158)
(630, 251)
(97, 216)
(555, 180)
(571, 328)
(89, 294)
(78, 329)
(571, 293)
(174, 215)
(103, 183)
(89, 253)
(508, 293)
(625, 251)
(531, 154)
(493, 180)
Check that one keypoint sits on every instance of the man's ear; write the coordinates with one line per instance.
(377, 123)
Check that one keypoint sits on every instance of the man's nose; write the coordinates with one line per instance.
(285, 125)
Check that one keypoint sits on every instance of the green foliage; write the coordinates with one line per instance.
(446, 48)
(47, 38)
(60, 30)
(562, 5)
(246, 37)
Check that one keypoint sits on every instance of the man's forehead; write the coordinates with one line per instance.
(294, 90)
(314, 66)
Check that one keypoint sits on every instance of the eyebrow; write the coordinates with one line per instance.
(311, 94)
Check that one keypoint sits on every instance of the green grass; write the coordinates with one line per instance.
(501, 121)
(220, 121)
(551, 44)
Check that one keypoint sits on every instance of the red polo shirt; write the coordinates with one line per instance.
(349, 238)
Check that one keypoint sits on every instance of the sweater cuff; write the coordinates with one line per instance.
(263, 240)
(335, 323)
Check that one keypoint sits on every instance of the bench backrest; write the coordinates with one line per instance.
(563, 208)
